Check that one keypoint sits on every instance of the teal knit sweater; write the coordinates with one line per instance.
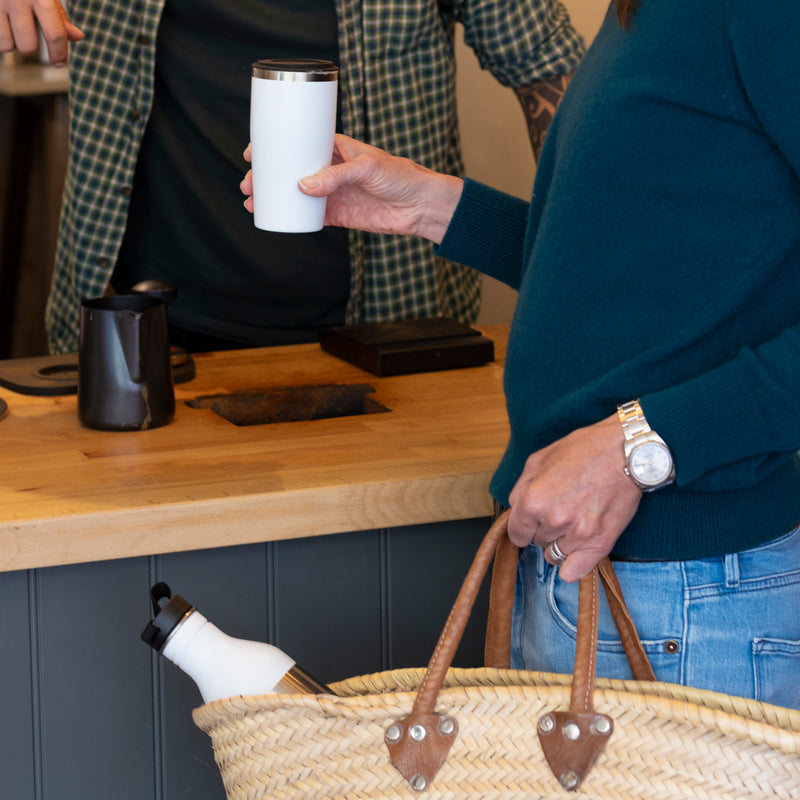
(660, 258)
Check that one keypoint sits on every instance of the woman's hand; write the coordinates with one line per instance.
(18, 28)
(370, 190)
(575, 492)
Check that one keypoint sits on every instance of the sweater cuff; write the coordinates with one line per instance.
(487, 232)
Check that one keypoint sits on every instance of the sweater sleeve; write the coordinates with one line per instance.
(487, 233)
(761, 47)
(734, 424)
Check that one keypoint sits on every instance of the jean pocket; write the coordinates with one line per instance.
(662, 649)
(776, 665)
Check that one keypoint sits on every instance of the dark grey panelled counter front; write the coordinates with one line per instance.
(89, 711)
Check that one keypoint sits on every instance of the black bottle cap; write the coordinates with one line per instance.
(167, 616)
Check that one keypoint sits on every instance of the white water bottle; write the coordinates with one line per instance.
(221, 665)
(292, 125)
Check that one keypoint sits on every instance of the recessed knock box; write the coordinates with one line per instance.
(291, 403)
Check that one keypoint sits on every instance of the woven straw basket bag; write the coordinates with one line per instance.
(497, 734)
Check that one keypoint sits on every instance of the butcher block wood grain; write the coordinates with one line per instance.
(69, 494)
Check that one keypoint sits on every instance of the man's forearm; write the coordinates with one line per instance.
(539, 102)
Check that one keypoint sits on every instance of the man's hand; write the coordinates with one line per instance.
(575, 492)
(18, 28)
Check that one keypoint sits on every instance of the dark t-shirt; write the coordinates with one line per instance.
(186, 222)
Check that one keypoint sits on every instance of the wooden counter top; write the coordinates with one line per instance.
(69, 494)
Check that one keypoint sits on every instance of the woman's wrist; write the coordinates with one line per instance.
(440, 205)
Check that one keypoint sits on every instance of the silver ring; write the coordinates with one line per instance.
(555, 553)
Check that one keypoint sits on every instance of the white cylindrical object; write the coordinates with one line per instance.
(223, 666)
(292, 125)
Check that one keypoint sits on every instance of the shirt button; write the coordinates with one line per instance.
(126, 191)
(142, 39)
(671, 647)
(135, 113)
(102, 261)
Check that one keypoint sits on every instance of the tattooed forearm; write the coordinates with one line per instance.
(539, 102)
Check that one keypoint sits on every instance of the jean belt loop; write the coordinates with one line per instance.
(732, 577)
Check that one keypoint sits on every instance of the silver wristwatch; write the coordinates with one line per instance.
(648, 461)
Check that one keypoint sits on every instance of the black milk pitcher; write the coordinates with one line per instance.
(124, 370)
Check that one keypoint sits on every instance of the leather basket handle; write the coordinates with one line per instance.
(418, 744)
(501, 601)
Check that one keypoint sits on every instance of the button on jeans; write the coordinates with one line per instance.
(729, 624)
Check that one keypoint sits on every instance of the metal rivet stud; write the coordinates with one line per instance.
(417, 732)
(547, 724)
(569, 780)
(571, 731)
(394, 733)
(419, 783)
(671, 647)
(602, 725)
(446, 726)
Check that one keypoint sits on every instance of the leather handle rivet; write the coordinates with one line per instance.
(569, 780)
(547, 724)
(419, 783)
(571, 731)
(602, 725)
(417, 732)
(447, 726)
(394, 733)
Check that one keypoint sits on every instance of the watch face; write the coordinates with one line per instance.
(650, 463)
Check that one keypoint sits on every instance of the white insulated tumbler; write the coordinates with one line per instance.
(292, 124)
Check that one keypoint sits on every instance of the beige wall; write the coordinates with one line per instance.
(496, 146)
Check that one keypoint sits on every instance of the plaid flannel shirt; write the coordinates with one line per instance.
(397, 74)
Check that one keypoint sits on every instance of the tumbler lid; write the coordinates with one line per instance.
(295, 69)
(167, 617)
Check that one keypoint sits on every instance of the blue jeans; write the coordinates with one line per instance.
(730, 624)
